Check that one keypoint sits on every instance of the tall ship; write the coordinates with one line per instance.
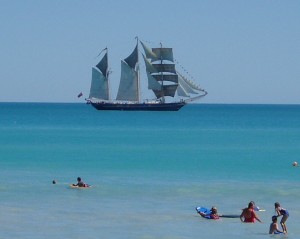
(170, 89)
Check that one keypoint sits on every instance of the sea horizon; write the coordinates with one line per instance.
(192, 103)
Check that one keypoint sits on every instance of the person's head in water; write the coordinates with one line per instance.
(274, 219)
(214, 210)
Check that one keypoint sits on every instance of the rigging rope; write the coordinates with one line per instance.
(188, 74)
(101, 52)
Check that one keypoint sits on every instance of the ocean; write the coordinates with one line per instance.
(148, 170)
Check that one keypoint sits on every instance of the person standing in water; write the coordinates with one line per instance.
(284, 213)
(248, 214)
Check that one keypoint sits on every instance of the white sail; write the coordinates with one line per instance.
(128, 88)
(149, 53)
(184, 85)
(187, 88)
(161, 71)
(181, 91)
(149, 67)
(165, 77)
(163, 54)
(190, 83)
(152, 83)
(129, 82)
(99, 85)
(164, 67)
(158, 54)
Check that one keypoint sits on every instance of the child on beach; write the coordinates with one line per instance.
(274, 226)
(284, 213)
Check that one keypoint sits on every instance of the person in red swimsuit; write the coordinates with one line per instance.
(248, 214)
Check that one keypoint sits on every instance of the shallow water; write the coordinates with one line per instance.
(149, 170)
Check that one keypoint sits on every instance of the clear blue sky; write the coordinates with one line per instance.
(239, 51)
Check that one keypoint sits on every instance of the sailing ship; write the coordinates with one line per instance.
(163, 80)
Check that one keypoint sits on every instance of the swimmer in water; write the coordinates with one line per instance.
(274, 226)
(80, 183)
(213, 214)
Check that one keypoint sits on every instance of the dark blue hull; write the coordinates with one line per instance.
(139, 106)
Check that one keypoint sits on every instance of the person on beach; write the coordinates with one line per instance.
(213, 214)
(248, 214)
(274, 226)
(284, 213)
(80, 183)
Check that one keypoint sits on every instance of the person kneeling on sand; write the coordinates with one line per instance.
(248, 214)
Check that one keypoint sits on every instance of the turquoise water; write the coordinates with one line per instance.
(149, 170)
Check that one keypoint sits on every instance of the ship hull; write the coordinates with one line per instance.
(138, 106)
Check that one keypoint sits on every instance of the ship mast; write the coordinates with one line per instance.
(162, 76)
(138, 71)
(107, 76)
